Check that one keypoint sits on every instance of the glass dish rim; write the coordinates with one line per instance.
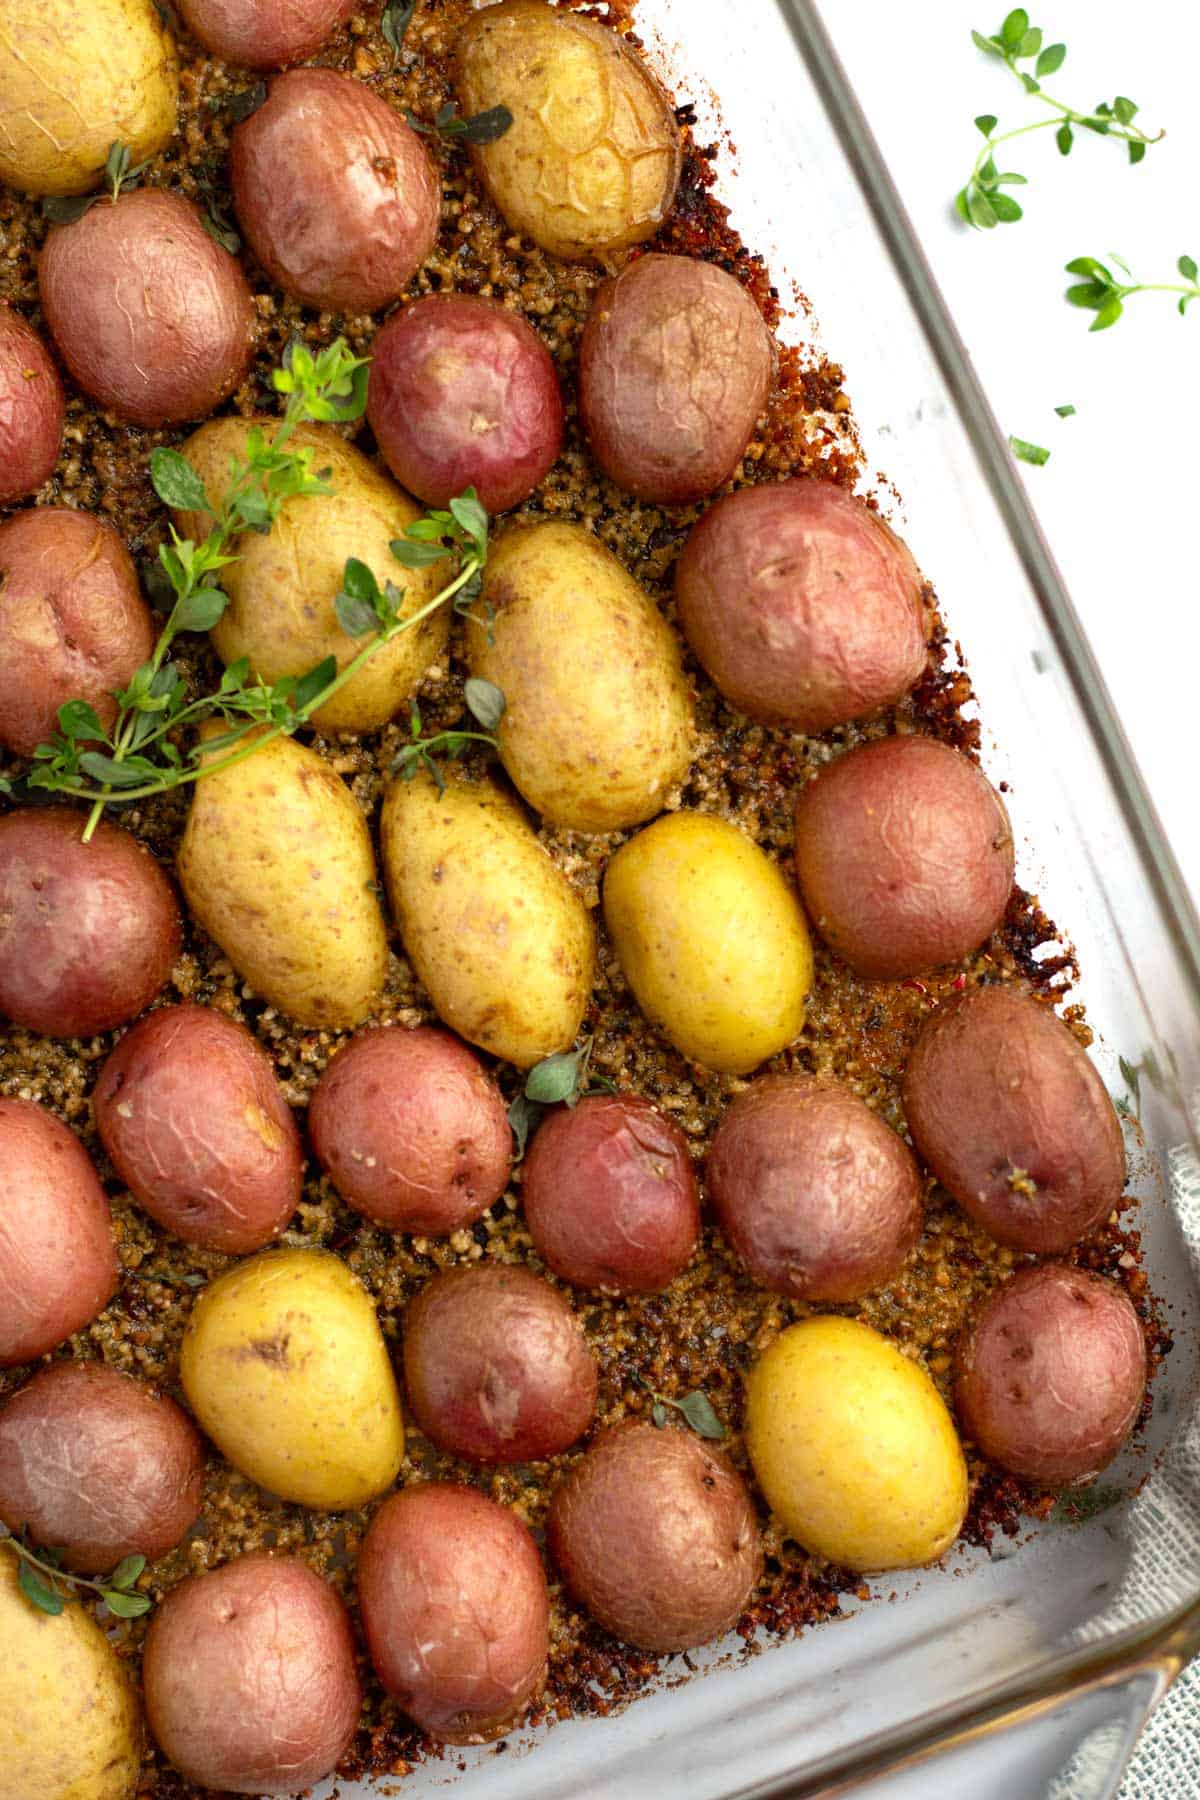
(1168, 1643)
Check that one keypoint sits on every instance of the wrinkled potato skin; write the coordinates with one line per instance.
(336, 196)
(70, 1725)
(656, 1536)
(282, 587)
(76, 82)
(609, 1195)
(276, 865)
(196, 1126)
(88, 932)
(1051, 1376)
(598, 726)
(250, 1677)
(263, 34)
(500, 940)
(73, 624)
(153, 318)
(58, 1260)
(904, 855)
(32, 409)
(97, 1465)
(496, 1365)
(455, 1610)
(801, 604)
(284, 1365)
(675, 366)
(818, 1197)
(411, 1130)
(711, 939)
(463, 393)
(853, 1448)
(591, 161)
(1000, 1098)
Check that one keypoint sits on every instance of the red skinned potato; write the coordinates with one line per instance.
(904, 856)
(73, 624)
(801, 604)
(32, 409)
(496, 1365)
(1010, 1114)
(1051, 1377)
(250, 1678)
(153, 318)
(818, 1197)
(411, 1130)
(196, 1126)
(609, 1195)
(656, 1536)
(463, 393)
(335, 193)
(675, 366)
(88, 932)
(455, 1610)
(263, 34)
(97, 1465)
(58, 1262)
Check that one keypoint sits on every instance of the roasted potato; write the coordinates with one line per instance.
(152, 317)
(591, 160)
(32, 409)
(803, 607)
(1014, 1120)
(609, 1195)
(73, 624)
(194, 1122)
(336, 196)
(711, 940)
(463, 393)
(904, 855)
(283, 585)
(598, 722)
(411, 1130)
(501, 941)
(496, 1366)
(285, 1367)
(70, 1725)
(455, 1610)
(98, 1466)
(818, 1197)
(675, 365)
(1051, 1376)
(263, 34)
(58, 1261)
(853, 1448)
(73, 85)
(89, 932)
(276, 864)
(250, 1677)
(655, 1534)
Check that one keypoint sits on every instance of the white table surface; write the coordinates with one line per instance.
(1119, 497)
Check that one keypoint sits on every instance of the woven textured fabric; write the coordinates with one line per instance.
(1166, 1763)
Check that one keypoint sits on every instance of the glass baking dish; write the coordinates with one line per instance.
(1026, 1673)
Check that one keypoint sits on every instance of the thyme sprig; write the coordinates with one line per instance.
(449, 124)
(486, 705)
(981, 202)
(1104, 294)
(42, 1579)
(696, 1409)
(120, 171)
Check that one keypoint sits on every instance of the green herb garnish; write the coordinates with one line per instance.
(119, 172)
(486, 704)
(1027, 452)
(1102, 293)
(481, 128)
(696, 1409)
(395, 22)
(42, 1580)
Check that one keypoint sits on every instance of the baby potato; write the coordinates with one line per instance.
(283, 585)
(285, 1367)
(277, 866)
(263, 34)
(598, 724)
(711, 939)
(75, 81)
(498, 936)
(70, 1726)
(32, 409)
(592, 158)
(853, 1447)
